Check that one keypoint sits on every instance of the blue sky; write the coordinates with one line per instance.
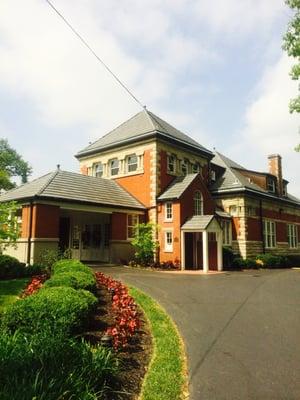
(214, 69)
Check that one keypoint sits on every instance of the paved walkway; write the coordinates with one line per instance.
(241, 329)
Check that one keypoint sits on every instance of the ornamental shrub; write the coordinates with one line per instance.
(57, 309)
(144, 243)
(271, 261)
(11, 268)
(239, 262)
(63, 266)
(45, 366)
(74, 279)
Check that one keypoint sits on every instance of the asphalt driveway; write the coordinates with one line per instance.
(241, 329)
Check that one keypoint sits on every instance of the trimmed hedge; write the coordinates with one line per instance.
(11, 268)
(57, 309)
(76, 280)
(63, 266)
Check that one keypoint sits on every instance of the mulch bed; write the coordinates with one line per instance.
(134, 358)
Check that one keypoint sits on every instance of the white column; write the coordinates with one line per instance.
(182, 246)
(205, 251)
(220, 250)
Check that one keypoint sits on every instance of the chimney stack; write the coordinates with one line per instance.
(275, 168)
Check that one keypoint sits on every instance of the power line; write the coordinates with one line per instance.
(94, 53)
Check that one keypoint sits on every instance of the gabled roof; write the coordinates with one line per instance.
(73, 187)
(198, 222)
(177, 187)
(232, 180)
(141, 126)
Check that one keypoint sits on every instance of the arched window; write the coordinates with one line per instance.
(198, 203)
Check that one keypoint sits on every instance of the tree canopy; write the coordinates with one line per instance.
(291, 44)
(11, 164)
(9, 229)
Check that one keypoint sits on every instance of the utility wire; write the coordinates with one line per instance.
(94, 53)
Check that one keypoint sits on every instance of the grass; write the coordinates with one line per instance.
(9, 291)
(166, 378)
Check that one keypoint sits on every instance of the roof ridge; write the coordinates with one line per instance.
(52, 176)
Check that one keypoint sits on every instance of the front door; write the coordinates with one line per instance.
(90, 237)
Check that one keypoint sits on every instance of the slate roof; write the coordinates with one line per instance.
(70, 186)
(143, 125)
(177, 187)
(198, 222)
(233, 180)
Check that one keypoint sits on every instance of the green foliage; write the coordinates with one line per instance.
(49, 257)
(12, 164)
(74, 279)
(239, 262)
(57, 309)
(50, 367)
(63, 266)
(9, 292)
(144, 243)
(228, 256)
(10, 267)
(271, 261)
(9, 229)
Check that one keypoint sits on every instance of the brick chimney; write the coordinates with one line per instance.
(276, 169)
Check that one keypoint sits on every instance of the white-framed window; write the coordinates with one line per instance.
(271, 185)
(292, 233)
(233, 210)
(132, 221)
(132, 163)
(196, 168)
(168, 211)
(269, 228)
(171, 163)
(114, 166)
(213, 175)
(198, 203)
(98, 168)
(184, 167)
(227, 233)
(169, 241)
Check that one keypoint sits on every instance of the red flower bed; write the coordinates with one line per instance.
(125, 310)
(34, 285)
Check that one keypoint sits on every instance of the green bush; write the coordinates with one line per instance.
(228, 257)
(58, 308)
(50, 367)
(292, 260)
(74, 279)
(11, 268)
(35, 269)
(271, 261)
(239, 263)
(63, 266)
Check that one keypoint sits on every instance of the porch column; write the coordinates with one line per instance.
(182, 244)
(220, 250)
(205, 251)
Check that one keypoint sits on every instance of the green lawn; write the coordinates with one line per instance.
(9, 291)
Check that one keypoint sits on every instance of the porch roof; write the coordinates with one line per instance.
(198, 222)
(177, 187)
(74, 187)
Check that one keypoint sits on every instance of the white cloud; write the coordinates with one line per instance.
(269, 127)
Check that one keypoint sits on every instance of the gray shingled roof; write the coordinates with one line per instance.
(141, 126)
(233, 180)
(177, 187)
(63, 185)
(198, 222)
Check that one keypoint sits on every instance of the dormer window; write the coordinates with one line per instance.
(271, 185)
(171, 163)
(132, 163)
(196, 168)
(98, 168)
(213, 175)
(184, 167)
(114, 166)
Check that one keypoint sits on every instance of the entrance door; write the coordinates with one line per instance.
(90, 237)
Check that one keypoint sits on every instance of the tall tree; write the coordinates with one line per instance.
(9, 228)
(11, 165)
(291, 44)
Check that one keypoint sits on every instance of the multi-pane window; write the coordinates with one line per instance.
(184, 167)
(269, 233)
(168, 211)
(213, 175)
(271, 185)
(233, 210)
(227, 236)
(292, 233)
(132, 163)
(198, 203)
(168, 241)
(99, 170)
(196, 168)
(132, 221)
(114, 166)
(171, 163)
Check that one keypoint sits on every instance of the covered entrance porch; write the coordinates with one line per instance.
(201, 243)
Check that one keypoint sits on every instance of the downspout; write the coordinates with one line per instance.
(29, 233)
(261, 226)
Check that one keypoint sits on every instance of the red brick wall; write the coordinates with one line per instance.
(235, 227)
(25, 221)
(83, 170)
(175, 225)
(253, 229)
(165, 178)
(281, 232)
(260, 180)
(139, 185)
(118, 226)
(45, 221)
